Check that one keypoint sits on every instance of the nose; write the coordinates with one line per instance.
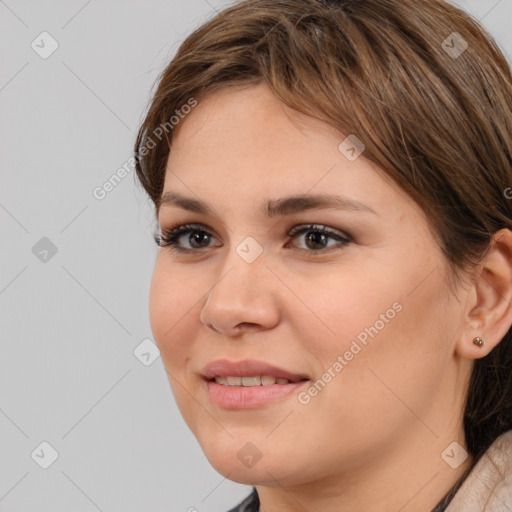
(243, 298)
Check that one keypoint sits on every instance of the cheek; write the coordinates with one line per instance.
(394, 348)
(171, 308)
(352, 308)
(373, 322)
(171, 311)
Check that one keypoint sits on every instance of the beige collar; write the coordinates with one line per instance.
(488, 487)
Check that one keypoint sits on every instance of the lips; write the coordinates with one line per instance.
(248, 368)
(249, 384)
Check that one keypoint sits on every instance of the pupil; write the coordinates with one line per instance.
(197, 236)
(316, 237)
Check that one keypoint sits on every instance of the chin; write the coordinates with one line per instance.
(241, 460)
(252, 464)
(260, 473)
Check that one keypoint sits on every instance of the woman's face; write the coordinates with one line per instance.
(366, 323)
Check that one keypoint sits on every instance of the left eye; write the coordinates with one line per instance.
(317, 238)
(318, 235)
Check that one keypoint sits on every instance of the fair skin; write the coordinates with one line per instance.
(371, 440)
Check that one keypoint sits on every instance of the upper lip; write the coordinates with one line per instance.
(247, 368)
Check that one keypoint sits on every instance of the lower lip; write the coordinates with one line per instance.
(241, 397)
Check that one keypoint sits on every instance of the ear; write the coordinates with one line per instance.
(489, 304)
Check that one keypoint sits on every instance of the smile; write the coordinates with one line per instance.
(250, 392)
(258, 380)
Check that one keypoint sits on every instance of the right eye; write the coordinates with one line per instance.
(171, 237)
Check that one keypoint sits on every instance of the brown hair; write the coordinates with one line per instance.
(434, 115)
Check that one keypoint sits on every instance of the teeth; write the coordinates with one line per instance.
(263, 380)
(251, 381)
(234, 381)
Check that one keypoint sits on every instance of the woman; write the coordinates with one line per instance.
(332, 293)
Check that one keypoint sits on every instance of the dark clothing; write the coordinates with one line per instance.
(250, 504)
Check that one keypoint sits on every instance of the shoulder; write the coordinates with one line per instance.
(489, 484)
(250, 504)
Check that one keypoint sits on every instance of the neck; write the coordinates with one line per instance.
(410, 477)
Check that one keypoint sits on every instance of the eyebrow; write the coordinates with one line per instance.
(272, 208)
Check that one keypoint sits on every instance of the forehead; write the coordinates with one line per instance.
(249, 119)
(242, 145)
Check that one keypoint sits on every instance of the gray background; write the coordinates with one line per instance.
(71, 321)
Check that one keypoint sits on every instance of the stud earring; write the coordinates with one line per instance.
(478, 341)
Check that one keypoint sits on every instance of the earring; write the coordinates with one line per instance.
(478, 341)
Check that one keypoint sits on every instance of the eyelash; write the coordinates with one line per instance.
(170, 237)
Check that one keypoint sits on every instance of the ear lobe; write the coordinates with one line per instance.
(490, 300)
